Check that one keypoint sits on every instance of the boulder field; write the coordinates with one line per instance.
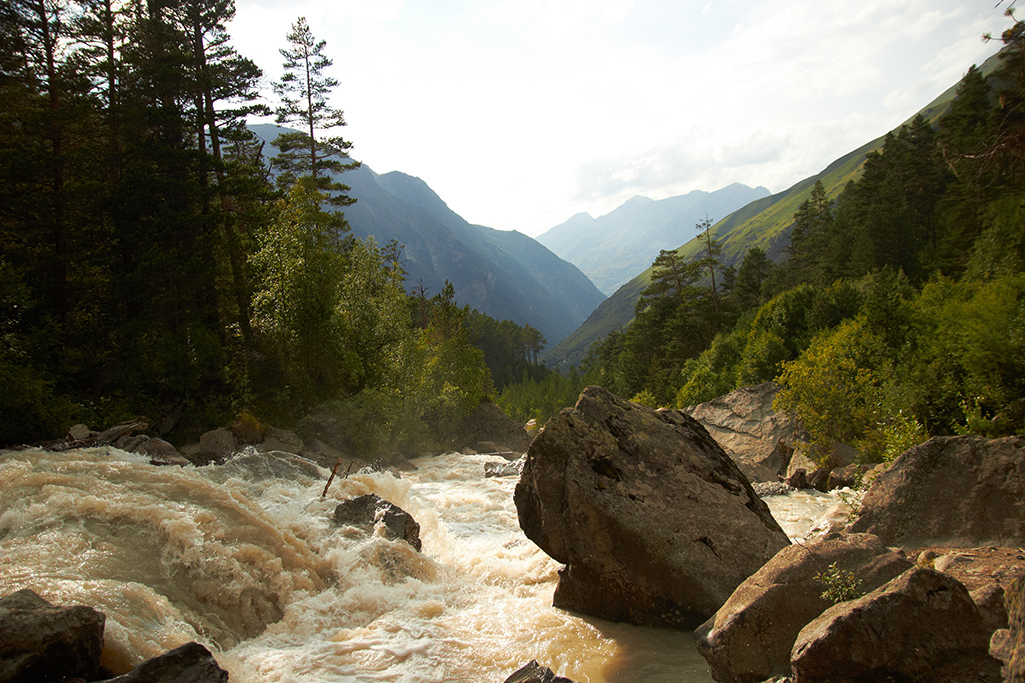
(658, 524)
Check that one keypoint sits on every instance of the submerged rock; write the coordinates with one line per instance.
(535, 673)
(750, 638)
(922, 625)
(958, 491)
(190, 663)
(365, 511)
(655, 522)
(41, 642)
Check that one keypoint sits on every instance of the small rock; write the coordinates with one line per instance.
(508, 469)
(190, 663)
(535, 673)
(365, 511)
(80, 432)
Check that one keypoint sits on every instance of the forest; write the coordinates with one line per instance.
(153, 261)
(897, 313)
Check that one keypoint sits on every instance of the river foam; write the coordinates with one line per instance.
(244, 558)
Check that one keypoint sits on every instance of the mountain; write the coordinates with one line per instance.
(504, 274)
(613, 248)
(763, 223)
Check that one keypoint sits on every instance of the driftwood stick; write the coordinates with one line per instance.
(332, 478)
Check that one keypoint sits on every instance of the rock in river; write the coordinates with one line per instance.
(655, 522)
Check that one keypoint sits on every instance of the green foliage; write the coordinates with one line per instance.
(840, 584)
(540, 400)
(831, 387)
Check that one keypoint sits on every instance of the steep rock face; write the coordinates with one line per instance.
(749, 639)
(960, 491)
(759, 439)
(656, 523)
(41, 642)
(489, 424)
(922, 625)
(1015, 599)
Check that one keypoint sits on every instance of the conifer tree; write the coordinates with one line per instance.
(304, 90)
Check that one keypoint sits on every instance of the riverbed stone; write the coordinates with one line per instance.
(922, 625)
(190, 663)
(750, 638)
(535, 673)
(41, 642)
(366, 510)
(959, 491)
(655, 522)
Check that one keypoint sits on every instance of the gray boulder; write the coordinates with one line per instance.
(655, 522)
(922, 625)
(365, 511)
(759, 439)
(190, 663)
(750, 638)
(956, 491)
(40, 642)
(214, 446)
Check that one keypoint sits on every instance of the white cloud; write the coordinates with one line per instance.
(520, 113)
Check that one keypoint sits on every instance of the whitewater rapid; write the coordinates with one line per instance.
(244, 558)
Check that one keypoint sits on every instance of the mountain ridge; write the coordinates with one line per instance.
(506, 275)
(612, 248)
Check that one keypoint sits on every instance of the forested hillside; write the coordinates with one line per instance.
(153, 261)
(764, 223)
(898, 309)
(613, 248)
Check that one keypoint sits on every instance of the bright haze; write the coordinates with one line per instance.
(521, 113)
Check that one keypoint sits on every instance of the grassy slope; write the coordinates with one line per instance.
(763, 223)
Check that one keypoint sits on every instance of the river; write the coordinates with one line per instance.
(244, 558)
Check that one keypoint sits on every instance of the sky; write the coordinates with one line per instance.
(522, 113)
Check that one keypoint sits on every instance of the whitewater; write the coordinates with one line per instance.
(244, 558)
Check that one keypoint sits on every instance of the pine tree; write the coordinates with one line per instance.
(304, 90)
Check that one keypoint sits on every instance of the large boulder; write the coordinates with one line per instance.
(655, 522)
(749, 639)
(40, 642)
(214, 446)
(959, 491)
(367, 510)
(922, 626)
(490, 430)
(190, 663)
(759, 439)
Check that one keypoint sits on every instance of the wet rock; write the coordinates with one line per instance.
(508, 469)
(41, 642)
(759, 439)
(190, 663)
(771, 488)
(958, 491)
(214, 446)
(922, 625)
(850, 476)
(750, 638)
(655, 522)
(489, 424)
(257, 467)
(365, 511)
(280, 440)
(535, 673)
